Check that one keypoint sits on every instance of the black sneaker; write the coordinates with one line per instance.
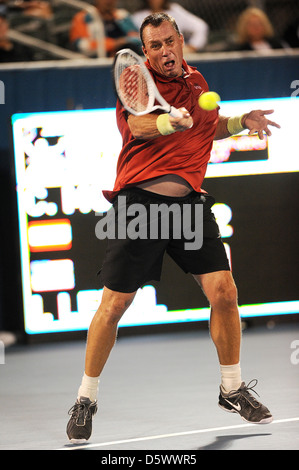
(79, 426)
(241, 401)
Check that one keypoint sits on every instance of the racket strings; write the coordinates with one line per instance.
(133, 87)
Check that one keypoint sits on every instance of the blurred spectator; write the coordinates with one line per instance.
(193, 28)
(291, 34)
(10, 52)
(120, 30)
(255, 32)
(36, 8)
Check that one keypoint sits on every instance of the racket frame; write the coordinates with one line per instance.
(153, 91)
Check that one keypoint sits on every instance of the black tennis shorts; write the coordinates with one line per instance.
(141, 226)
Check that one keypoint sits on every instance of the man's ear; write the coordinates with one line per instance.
(144, 51)
(182, 40)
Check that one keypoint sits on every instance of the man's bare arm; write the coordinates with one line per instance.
(255, 121)
(221, 130)
(145, 127)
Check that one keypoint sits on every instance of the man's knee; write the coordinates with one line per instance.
(114, 305)
(225, 294)
(220, 290)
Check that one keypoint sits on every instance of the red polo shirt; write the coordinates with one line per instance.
(183, 153)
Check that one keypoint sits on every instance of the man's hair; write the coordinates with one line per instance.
(156, 19)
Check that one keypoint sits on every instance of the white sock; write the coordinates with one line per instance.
(230, 377)
(89, 387)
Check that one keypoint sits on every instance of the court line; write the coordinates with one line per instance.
(174, 434)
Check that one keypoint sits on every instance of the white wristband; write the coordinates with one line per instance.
(234, 125)
(163, 124)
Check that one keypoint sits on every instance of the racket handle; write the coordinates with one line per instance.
(174, 112)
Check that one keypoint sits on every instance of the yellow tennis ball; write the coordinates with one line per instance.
(209, 100)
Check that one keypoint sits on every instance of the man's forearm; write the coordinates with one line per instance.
(144, 127)
(222, 131)
(151, 126)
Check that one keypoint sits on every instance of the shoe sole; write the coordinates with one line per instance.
(78, 441)
(263, 421)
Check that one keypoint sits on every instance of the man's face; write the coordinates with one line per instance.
(164, 49)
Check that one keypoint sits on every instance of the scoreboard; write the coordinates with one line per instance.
(63, 162)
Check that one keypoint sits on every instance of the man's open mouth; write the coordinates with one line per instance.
(169, 64)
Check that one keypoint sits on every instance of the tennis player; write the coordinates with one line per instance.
(164, 160)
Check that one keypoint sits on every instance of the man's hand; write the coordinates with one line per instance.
(183, 123)
(145, 127)
(256, 121)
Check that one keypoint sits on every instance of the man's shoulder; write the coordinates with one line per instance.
(194, 74)
(190, 69)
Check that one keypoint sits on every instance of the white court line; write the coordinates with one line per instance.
(175, 434)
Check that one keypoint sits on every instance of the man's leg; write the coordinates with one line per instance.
(103, 329)
(225, 328)
(100, 340)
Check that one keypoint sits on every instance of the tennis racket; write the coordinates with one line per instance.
(135, 87)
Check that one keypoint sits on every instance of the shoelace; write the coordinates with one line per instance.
(244, 392)
(80, 411)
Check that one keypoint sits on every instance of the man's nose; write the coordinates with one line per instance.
(165, 49)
